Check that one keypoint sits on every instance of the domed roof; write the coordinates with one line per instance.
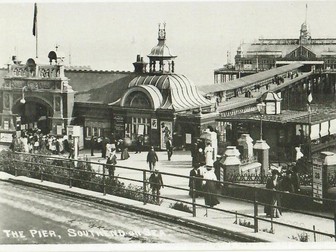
(177, 90)
(161, 50)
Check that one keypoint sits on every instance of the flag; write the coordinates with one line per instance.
(35, 20)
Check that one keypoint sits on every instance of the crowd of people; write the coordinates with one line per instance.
(288, 182)
(204, 176)
(34, 141)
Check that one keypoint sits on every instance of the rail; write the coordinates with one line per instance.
(64, 171)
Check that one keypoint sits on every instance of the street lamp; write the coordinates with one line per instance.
(261, 106)
(23, 101)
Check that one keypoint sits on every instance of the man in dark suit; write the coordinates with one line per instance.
(156, 182)
(169, 147)
(152, 158)
(194, 182)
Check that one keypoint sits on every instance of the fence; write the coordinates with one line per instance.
(83, 175)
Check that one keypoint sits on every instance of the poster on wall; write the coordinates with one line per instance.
(154, 123)
(166, 132)
(141, 129)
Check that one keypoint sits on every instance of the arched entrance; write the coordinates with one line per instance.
(35, 113)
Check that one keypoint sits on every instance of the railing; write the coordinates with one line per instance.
(61, 170)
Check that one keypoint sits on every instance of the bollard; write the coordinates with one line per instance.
(104, 182)
(193, 197)
(144, 186)
(255, 212)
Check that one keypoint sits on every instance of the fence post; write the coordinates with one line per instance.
(335, 223)
(193, 197)
(15, 169)
(255, 211)
(41, 171)
(104, 182)
(144, 186)
(314, 233)
(70, 180)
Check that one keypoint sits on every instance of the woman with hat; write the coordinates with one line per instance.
(210, 187)
(273, 199)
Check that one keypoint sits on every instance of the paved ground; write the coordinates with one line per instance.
(181, 165)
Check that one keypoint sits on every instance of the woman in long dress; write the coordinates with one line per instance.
(210, 187)
(209, 154)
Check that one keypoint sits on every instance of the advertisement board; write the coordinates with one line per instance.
(317, 181)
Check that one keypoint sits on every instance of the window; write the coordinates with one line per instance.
(88, 131)
(140, 126)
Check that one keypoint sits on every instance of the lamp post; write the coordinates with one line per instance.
(261, 106)
(23, 101)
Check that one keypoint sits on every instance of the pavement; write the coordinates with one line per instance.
(206, 218)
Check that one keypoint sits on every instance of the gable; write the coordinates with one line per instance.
(301, 53)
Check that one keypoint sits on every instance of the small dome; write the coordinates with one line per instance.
(160, 51)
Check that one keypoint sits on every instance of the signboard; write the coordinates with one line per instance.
(6, 137)
(76, 131)
(59, 129)
(188, 138)
(6, 125)
(317, 181)
(119, 125)
(141, 129)
(270, 108)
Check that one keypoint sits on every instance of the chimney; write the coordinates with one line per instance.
(139, 65)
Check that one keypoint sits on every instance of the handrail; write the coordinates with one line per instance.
(70, 171)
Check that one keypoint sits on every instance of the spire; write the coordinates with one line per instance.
(162, 32)
(306, 13)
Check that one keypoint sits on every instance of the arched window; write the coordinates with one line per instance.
(138, 100)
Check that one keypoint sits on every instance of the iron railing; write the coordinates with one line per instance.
(65, 171)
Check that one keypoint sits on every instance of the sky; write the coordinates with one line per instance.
(107, 35)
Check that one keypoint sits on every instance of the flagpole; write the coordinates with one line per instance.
(35, 30)
(36, 41)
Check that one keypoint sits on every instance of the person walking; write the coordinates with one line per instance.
(111, 162)
(169, 147)
(210, 187)
(156, 183)
(103, 147)
(71, 147)
(152, 158)
(92, 144)
(138, 144)
(273, 199)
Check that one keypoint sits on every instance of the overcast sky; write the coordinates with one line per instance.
(109, 35)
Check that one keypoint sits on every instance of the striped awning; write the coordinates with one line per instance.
(178, 91)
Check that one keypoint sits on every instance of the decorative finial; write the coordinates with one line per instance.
(56, 46)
